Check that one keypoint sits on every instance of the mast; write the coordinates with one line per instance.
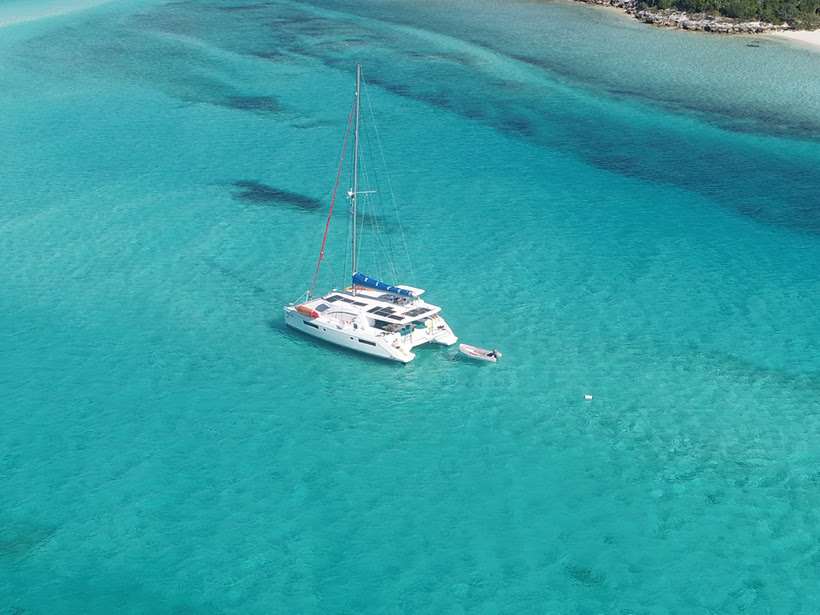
(332, 201)
(356, 164)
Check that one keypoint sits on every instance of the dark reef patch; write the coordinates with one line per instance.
(259, 104)
(18, 540)
(240, 279)
(256, 192)
(243, 7)
(519, 125)
(269, 55)
(585, 576)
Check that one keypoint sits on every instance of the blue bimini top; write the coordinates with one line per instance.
(362, 280)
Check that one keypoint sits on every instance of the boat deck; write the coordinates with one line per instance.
(375, 304)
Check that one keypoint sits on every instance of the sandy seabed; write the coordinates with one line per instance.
(811, 37)
(15, 13)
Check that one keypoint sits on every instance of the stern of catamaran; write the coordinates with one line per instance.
(432, 330)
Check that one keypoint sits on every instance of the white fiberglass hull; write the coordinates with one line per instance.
(367, 340)
(346, 336)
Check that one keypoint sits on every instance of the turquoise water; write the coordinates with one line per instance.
(625, 212)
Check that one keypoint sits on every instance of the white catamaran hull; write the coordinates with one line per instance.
(367, 340)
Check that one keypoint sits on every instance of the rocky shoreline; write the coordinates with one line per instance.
(670, 18)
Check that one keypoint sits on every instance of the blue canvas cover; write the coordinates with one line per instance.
(359, 279)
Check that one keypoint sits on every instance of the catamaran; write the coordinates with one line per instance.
(369, 316)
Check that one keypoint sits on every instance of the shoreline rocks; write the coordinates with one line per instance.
(670, 18)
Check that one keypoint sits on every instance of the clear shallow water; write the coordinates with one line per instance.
(651, 238)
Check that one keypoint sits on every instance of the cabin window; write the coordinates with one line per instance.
(368, 343)
(310, 324)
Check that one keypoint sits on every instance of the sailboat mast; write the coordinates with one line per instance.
(356, 164)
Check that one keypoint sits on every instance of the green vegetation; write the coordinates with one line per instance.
(798, 13)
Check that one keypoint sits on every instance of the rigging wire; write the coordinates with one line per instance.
(383, 244)
(316, 231)
(383, 249)
(332, 201)
(389, 184)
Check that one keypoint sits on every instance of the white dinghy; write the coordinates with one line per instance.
(482, 354)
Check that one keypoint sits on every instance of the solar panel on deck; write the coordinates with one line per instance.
(335, 298)
(417, 312)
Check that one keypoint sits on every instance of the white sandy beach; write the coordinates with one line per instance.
(811, 37)
(19, 12)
